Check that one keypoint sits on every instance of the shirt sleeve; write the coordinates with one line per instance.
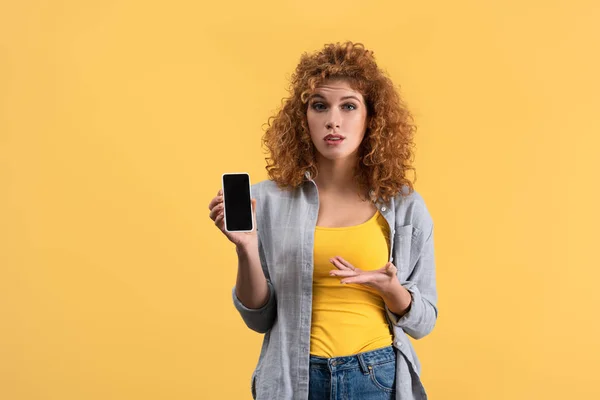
(421, 317)
(259, 319)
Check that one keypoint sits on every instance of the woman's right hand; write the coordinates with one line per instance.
(240, 239)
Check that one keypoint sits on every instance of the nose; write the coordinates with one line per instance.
(333, 119)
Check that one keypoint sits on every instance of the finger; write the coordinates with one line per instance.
(343, 273)
(219, 220)
(345, 263)
(361, 279)
(364, 277)
(215, 211)
(220, 192)
(215, 201)
(339, 265)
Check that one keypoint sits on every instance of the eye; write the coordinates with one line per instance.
(349, 106)
(318, 106)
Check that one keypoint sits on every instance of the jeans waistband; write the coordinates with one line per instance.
(364, 360)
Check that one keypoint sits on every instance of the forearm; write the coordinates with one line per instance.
(396, 297)
(251, 285)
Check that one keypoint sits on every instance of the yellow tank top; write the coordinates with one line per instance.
(349, 319)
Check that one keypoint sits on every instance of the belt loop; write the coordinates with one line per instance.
(363, 364)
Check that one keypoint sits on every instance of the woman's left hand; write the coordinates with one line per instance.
(379, 279)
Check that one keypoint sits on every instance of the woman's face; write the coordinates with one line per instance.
(337, 117)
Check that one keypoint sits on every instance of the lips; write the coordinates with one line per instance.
(334, 137)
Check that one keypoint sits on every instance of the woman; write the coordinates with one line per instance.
(340, 268)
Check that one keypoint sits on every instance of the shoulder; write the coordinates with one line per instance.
(268, 192)
(264, 189)
(411, 209)
(274, 203)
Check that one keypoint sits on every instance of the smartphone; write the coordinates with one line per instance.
(237, 210)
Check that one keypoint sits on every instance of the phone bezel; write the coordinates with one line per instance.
(249, 191)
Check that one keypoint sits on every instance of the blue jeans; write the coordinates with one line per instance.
(366, 376)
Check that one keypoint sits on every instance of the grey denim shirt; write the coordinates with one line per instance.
(285, 221)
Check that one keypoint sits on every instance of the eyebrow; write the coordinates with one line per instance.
(343, 98)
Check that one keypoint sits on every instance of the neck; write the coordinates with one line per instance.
(336, 175)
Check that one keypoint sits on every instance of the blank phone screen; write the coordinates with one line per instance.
(238, 206)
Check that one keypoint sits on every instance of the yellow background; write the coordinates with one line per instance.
(117, 119)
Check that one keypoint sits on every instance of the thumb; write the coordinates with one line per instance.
(254, 214)
(390, 268)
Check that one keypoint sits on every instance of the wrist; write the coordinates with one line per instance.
(397, 298)
(389, 287)
(246, 247)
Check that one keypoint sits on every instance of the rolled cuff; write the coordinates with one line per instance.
(419, 320)
(258, 319)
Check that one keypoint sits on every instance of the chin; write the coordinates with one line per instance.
(335, 155)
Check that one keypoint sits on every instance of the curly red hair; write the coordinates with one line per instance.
(386, 152)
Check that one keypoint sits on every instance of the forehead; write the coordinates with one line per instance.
(336, 88)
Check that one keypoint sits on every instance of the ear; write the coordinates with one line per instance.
(368, 123)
